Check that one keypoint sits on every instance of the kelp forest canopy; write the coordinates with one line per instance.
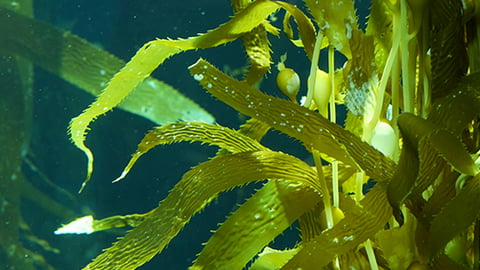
(393, 185)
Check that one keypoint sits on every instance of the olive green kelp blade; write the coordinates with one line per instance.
(255, 224)
(354, 229)
(298, 122)
(457, 215)
(195, 190)
(154, 53)
(89, 68)
(226, 138)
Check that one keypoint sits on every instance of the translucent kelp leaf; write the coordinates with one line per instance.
(153, 53)
(272, 259)
(88, 225)
(89, 68)
(195, 190)
(457, 215)
(358, 225)
(223, 137)
(255, 224)
(379, 26)
(361, 78)
(337, 19)
(298, 122)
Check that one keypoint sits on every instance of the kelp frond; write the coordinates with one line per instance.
(405, 86)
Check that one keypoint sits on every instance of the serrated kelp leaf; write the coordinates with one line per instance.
(448, 53)
(456, 110)
(337, 19)
(223, 137)
(195, 190)
(453, 151)
(298, 122)
(256, 223)
(154, 53)
(354, 229)
(89, 68)
(457, 215)
(256, 46)
(424, 147)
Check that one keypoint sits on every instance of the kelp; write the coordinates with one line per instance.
(430, 182)
(154, 53)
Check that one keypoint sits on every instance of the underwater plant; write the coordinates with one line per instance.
(395, 187)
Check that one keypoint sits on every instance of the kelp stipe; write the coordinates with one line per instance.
(397, 81)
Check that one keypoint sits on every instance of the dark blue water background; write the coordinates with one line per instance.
(121, 27)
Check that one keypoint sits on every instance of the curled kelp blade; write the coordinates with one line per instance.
(313, 130)
(195, 190)
(456, 216)
(255, 224)
(154, 53)
(425, 144)
(228, 139)
(358, 225)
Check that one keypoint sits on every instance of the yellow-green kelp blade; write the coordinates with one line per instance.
(255, 224)
(195, 190)
(354, 229)
(298, 122)
(223, 137)
(337, 19)
(90, 68)
(154, 53)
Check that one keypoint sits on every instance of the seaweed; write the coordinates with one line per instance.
(412, 130)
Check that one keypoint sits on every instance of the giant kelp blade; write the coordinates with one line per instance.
(456, 110)
(449, 60)
(226, 138)
(457, 215)
(194, 191)
(337, 19)
(89, 68)
(298, 122)
(255, 224)
(358, 225)
(154, 53)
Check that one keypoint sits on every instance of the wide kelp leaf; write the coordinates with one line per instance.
(154, 53)
(337, 19)
(191, 194)
(457, 215)
(358, 225)
(89, 68)
(298, 122)
(256, 223)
